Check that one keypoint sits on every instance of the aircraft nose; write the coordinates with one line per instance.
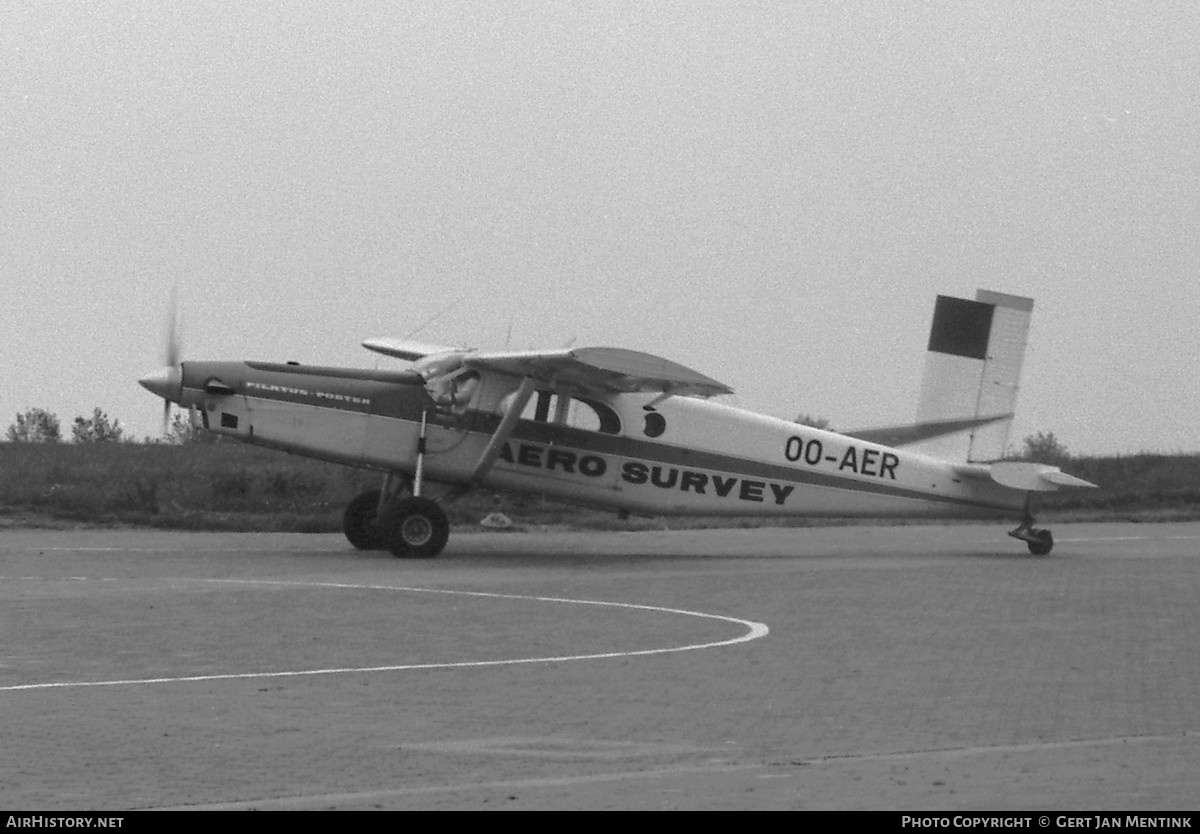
(166, 382)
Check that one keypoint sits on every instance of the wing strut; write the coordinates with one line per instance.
(504, 430)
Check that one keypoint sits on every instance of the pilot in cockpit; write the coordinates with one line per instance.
(453, 392)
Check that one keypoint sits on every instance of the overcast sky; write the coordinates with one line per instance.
(771, 193)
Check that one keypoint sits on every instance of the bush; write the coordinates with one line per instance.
(1044, 447)
(99, 429)
(37, 425)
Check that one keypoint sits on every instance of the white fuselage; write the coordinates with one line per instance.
(675, 456)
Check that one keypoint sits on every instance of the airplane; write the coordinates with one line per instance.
(625, 430)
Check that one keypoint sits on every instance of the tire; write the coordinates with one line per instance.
(421, 530)
(358, 522)
(1044, 543)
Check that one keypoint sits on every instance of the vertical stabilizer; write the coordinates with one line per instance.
(972, 371)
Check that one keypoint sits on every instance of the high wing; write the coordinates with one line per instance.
(600, 370)
(405, 348)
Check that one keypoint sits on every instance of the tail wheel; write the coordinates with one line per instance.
(1041, 543)
(358, 522)
(421, 529)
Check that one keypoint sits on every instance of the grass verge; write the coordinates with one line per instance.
(232, 486)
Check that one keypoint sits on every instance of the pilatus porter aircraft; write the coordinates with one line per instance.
(616, 428)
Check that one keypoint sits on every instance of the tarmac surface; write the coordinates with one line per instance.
(922, 668)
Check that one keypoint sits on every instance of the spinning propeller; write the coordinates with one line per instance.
(167, 381)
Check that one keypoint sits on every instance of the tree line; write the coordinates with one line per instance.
(38, 425)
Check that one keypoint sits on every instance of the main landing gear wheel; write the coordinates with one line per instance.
(421, 529)
(358, 522)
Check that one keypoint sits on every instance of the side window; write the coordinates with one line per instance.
(656, 424)
(600, 414)
(575, 412)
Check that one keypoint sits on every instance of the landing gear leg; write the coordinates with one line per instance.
(398, 517)
(413, 526)
(416, 527)
(1039, 541)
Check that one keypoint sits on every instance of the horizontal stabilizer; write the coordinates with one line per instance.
(1063, 479)
(1032, 477)
(901, 436)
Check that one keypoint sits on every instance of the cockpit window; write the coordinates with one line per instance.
(451, 387)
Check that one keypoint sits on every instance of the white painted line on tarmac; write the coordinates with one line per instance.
(97, 549)
(1132, 539)
(1029, 747)
(307, 801)
(777, 770)
(754, 631)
